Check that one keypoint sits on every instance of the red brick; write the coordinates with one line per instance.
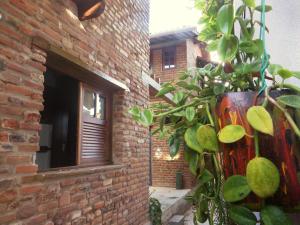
(16, 159)
(32, 116)
(4, 218)
(26, 169)
(31, 189)
(64, 199)
(3, 136)
(7, 196)
(10, 123)
(28, 148)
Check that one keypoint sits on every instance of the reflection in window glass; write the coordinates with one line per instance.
(89, 101)
(100, 107)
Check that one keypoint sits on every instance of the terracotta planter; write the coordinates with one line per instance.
(283, 149)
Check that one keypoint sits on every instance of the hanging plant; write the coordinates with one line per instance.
(239, 135)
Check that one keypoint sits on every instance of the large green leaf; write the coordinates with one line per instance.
(260, 119)
(285, 73)
(190, 138)
(296, 74)
(190, 113)
(228, 47)
(178, 97)
(207, 138)
(250, 3)
(225, 18)
(274, 68)
(193, 159)
(272, 215)
(213, 46)
(231, 133)
(290, 100)
(236, 188)
(135, 112)
(146, 118)
(255, 47)
(205, 177)
(242, 215)
(174, 145)
(167, 88)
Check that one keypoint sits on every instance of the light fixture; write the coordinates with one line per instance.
(88, 9)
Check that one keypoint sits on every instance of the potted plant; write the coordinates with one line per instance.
(240, 135)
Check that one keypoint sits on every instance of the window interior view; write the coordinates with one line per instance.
(59, 121)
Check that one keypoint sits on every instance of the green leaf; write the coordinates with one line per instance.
(190, 138)
(236, 188)
(244, 29)
(219, 89)
(231, 133)
(178, 97)
(207, 138)
(272, 215)
(255, 47)
(174, 145)
(242, 215)
(296, 74)
(135, 112)
(239, 12)
(260, 119)
(193, 158)
(225, 18)
(274, 68)
(190, 113)
(267, 9)
(213, 46)
(285, 74)
(290, 100)
(146, 118)
(205, 177)
(165, 90)
(250, 3)
(228, 47)
(183, 84)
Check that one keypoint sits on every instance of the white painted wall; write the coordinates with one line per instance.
(283, 42)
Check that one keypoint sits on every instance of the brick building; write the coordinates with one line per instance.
(172, 53)
(69, 152)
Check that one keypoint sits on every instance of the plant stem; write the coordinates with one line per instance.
(256, 143)
(285, 112)
(209, 115)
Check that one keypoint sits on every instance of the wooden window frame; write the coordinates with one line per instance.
(108, 118)
(172, 50)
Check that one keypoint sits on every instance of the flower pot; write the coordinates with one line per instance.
(283, 149)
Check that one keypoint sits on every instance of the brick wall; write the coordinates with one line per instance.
(163, 167)
(115, 43)
(169, 74)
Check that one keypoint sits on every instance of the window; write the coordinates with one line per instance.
(168, 57)
(75, 123)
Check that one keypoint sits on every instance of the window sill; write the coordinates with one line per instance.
(67, 172)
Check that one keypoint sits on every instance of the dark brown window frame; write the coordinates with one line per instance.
(107, 123)
(168, 62)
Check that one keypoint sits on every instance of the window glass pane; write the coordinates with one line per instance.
(100, 108)
(89, 101)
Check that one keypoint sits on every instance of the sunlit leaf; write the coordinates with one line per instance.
(250, 3)
(228, 47)
(146, 118)
(190, 138)
(135, 112)
(207, 138)
(285, 73)
(260, 119)
(178, 97)
(212, 46)
(231, 133)
(290, 100)
(190, 113)
(274, 68)
(272, 215)
(242, 215)
(236, 188)
(225, 18)
(165, 90)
